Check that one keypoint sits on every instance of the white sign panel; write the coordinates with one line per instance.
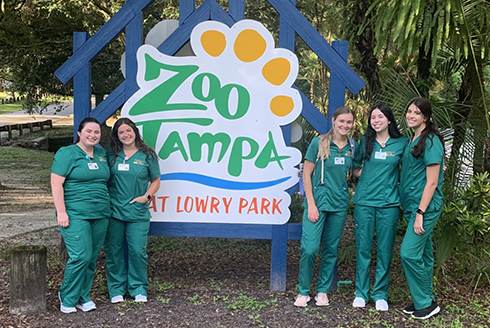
(215, 120)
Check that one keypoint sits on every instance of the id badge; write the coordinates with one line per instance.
(339, 160)
(123, 167)
(380, 155)
(93, 166)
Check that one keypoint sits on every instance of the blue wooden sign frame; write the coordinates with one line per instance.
(130, 19)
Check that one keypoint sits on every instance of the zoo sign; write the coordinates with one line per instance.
(214, 119)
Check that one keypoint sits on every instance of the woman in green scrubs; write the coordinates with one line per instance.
(422, 200)
(327, 162)
(377, 200)
(79, 178)
(135, 178)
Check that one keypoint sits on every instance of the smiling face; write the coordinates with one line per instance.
(342, 124)
(89, 135)
(379, 122)
(126, 135)
(415, 118)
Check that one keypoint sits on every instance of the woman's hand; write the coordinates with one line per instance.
(313, 214)
(418, 226)
(140, 199)
(63, 220)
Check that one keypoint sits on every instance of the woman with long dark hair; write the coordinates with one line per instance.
(422, 200)
(135, 178)
(327, 163)
(377, 200)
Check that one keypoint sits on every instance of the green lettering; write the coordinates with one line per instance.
(214, 87)
(157, 99)
(173, 144)
(222, 101)
(196, 142)
(236, 157)
(269, 154)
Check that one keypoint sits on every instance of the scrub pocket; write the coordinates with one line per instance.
(139, 211)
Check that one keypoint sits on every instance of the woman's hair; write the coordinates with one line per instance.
(83, 123)
(370, 134)
(116, 145)
(430, 127)
(324, 146)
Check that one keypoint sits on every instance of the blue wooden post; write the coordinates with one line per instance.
(336, 97)
(236, 9)
(186, 7)
(81, 86)
(134, 39)
(279, 247)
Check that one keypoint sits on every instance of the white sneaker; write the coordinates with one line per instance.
(301, 301)
(141, 298)
(86, 307)
(321, 299)
(117, 299)
(382, 305)
(66, 309)
(359, 302)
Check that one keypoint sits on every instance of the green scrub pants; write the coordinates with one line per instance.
(418, 259)
(327, 230)
(134, 278)
(385, 220)
(83, 239)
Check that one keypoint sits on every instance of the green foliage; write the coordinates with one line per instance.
(161, 286)
(195, 300)
(463, 230)
(244, 302)
(472, 208)
(481, 269)
(296, 208)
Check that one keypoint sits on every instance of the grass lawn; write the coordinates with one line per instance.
(28, 166)
(10, 108)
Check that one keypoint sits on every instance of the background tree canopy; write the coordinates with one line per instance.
(403, 49)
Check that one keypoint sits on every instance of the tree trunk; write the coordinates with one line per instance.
(477, 119)
(423, 70)
(365, 44)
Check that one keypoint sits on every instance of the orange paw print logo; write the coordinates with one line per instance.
(266, 72)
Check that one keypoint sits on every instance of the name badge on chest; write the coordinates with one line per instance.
(380, 155)
(93, 166)
(123, 167)
(339, 160)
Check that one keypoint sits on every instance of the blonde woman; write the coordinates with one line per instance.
(327, 163)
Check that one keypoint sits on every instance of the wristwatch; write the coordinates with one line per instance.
(148, 196)
(419, 211)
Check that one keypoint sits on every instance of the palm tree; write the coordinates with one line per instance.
(419, 32)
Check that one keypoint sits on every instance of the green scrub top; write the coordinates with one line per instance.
(413, 176)
(378, 185)
(130, 181)
(85, 190)
(333, 195)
